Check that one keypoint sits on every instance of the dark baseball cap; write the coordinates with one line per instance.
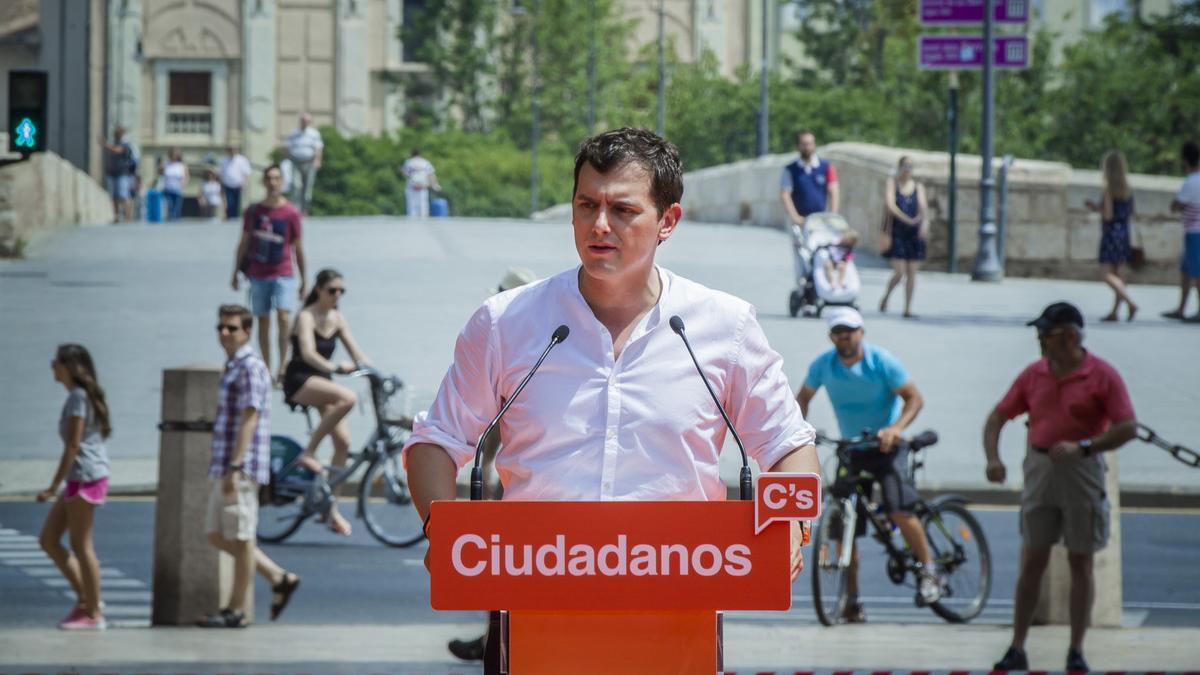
(1058, 314)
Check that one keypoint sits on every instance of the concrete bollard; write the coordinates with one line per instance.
(191, 577)
(1054, 602)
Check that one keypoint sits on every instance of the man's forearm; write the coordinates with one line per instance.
(991, 438)
(431, 475)
(908, 414)
(788, 206)
(801, 460)
(245, 434)
(1116, 436)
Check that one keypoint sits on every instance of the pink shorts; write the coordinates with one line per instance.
(92, 492)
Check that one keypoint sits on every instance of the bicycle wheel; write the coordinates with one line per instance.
(386, 502)
(828, 574)
(960, 552)
(281, 508)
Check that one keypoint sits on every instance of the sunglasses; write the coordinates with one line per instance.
(335, 290)
(228, 328)
(842, 330)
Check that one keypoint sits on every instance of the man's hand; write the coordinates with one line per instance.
(797, 541)
(888, 438)
(233, 283)
(996, 472)
(798, 220)
(1063, 451)
(227, 484)
(302, 290)
(345, 368)
(45, 495)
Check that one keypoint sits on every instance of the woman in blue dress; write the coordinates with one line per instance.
(1116, 209)
(906, 210)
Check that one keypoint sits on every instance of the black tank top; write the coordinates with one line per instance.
(325, 347)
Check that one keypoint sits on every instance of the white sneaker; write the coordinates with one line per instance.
(929, 589)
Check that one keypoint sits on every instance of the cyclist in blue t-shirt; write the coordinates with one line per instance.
(871, 392)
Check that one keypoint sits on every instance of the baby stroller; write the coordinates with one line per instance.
(812, 247)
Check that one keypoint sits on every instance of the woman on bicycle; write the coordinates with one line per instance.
(83, 426)
(308, 377)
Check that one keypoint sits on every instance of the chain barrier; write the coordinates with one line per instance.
(1185, 455)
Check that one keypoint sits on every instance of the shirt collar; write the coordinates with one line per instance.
(652, 319)
(1085, 368)
(241, 354)
(812, 163)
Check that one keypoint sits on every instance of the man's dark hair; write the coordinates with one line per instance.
(1191, 154)
(275, 167)
(804, 132)
(415, 152)
(620, 147)
(238, 311)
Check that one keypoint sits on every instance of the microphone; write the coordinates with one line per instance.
(746, 485)
(560, 334)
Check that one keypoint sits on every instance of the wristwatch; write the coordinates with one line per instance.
(1086, 446)
(805, 532)
(236, 468)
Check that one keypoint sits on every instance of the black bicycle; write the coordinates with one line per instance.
(384, 502)
(956, 541)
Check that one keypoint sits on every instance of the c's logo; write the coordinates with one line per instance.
(786, 496)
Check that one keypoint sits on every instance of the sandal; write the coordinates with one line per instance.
(225, 618)
(855, 613)
(283, 593)
(339, 525)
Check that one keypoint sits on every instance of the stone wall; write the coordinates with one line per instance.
(1049, 232)
(44, 192)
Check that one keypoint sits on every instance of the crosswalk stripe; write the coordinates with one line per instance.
(118, 596)
(104, 584)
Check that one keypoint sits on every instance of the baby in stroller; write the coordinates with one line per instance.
(825, 270)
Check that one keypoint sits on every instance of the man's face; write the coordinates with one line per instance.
(807, 145)
(231, 151)
(1056, 342)
(273, 182)
(846, 340)
(617, 227)
(305, 120)
(231, 334)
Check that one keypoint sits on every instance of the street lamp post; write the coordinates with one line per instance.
(662, 71)
(591, 69)
(987, 259)
(952, 197)
(533, 114)
(763, 98)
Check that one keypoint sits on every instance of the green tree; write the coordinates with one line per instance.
(457, 40)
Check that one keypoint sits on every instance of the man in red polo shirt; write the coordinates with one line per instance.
(1078, 408)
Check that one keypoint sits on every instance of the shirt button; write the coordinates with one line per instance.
(608, 487)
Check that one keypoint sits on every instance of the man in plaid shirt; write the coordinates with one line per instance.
(241, 455)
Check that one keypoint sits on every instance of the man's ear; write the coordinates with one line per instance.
(668, 221)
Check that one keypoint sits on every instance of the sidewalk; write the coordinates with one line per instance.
(413, 648)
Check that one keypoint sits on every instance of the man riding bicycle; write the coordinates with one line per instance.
(871, 391)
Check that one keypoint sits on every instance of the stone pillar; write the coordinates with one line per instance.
(124, 68)
(1054, 603)
(191, 577)
(260, 137)
(352, 83)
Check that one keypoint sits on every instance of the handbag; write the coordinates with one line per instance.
(885, 234)
(1137, 254)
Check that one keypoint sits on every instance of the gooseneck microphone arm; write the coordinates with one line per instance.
(559, 335)
(745, 482)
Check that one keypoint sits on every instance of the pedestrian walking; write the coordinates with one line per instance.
(907, 229)
(234, 171)
(1078, 408)
(1116, 210)
(308, 379)
(270, 240)
(871, 391)
(83, 426)
(211, 197)
(420, 177)
(120, 167)
(1187, 205)
(808, 184)
(175, 177)
(304, 148)
(595, 425)
(241, 456)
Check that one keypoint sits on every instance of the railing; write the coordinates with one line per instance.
(189, 120)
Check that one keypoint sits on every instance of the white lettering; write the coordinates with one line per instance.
(526, 566)
(667, 550)
(644, 561)
(583, 561)
(456, 555)
(805, 500)
(737, 558)
(559, 550)
(495, 555)
(698, 560)
(619, 550)
(770, 500)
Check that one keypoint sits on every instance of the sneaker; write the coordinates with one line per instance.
(1014, 659)
(467, 650)
(74, 614)
(1076, 662)
(84, 622)
(929, 589)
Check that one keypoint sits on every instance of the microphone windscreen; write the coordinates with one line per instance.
(561, 333)
(676, 324)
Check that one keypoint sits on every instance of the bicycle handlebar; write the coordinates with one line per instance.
(869, 441)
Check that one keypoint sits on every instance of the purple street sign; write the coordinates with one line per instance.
(944, 12)
(965, 52)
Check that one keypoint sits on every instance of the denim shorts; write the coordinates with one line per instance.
(273, 294)
(119, 187)
(1189, 263)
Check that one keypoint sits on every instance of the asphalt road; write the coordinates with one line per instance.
(358, 581)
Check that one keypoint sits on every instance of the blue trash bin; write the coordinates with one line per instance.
(154, 206)
(439, 207)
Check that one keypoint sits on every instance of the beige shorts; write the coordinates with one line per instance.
(1065, 503)
(234, 517)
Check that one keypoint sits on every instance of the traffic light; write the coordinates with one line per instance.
(26, 111)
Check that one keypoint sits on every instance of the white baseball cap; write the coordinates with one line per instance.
(847, 317)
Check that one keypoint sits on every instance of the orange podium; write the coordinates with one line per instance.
(602, 587)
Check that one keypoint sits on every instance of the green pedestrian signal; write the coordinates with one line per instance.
(26, 134)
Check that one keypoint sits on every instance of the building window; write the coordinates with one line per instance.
(414, 41)
(189, 103)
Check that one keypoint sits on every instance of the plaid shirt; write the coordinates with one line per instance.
(244, 384)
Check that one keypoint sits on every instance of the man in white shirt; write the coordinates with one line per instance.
(618, 412)
(233, 171)
(420, 177)
(304, 147)
(1187, 205)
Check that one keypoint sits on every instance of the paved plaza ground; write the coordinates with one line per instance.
(142, 298)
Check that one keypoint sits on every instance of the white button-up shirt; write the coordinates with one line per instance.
(591, 427)
(303, 144)
(234, 170)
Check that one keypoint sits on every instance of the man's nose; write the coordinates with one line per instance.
(600, 225)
